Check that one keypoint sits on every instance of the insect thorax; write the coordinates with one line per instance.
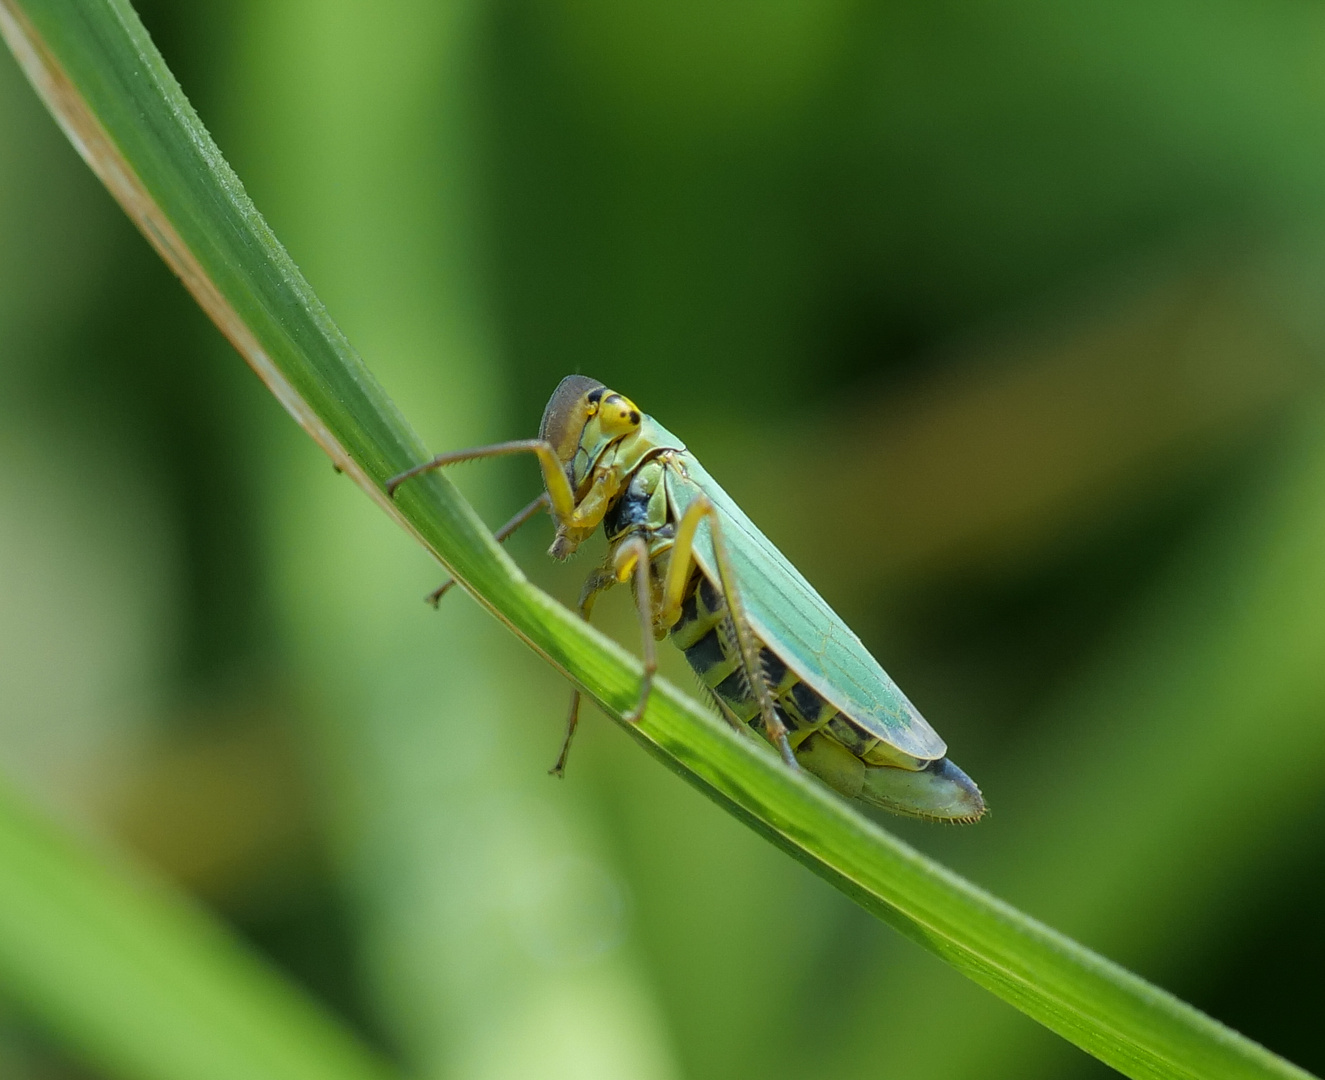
(642, 507)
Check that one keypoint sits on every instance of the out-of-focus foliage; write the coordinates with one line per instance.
(1001, 319)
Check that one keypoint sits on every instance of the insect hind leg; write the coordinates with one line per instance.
(678, 576)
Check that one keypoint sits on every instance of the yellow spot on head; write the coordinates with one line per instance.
(617, 415)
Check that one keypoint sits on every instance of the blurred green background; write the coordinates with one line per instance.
(1003, 320)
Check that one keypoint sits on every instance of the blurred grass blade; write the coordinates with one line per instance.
(97, 70)
(144, 984)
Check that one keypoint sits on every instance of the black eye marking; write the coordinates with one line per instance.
(634, 416)
(595, 395)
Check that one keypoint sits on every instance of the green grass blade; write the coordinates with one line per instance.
(98, 71)
(143, 983)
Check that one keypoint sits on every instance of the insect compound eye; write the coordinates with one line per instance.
(566, 413)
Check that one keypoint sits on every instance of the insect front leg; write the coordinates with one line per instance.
(561, 498)
(599, 581)
(575, 521)
(678, 576)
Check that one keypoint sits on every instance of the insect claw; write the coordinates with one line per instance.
(572, 722)
(637, 713)
(435, 597)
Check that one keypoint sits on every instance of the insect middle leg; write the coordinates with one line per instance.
(599, 581)
(629, 559)
(528, 513)
(575, 520)
(674, 588)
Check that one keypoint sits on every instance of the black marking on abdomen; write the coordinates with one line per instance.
(855, 739)
(709, 595)
(706, 653)
(812, 708)
(774, 669)
(715, 657)
(735, 690)
(689, 612)
(757, 720)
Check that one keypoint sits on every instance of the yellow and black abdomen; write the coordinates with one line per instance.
(704, 633)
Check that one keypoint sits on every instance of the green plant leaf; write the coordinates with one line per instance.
(142, 982)
(97, 70)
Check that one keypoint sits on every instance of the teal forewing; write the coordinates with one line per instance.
(794, 621)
